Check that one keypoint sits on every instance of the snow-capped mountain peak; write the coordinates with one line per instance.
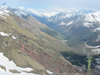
(89, 17)
(92, 17)
(20, 12)
(5, 10)
(68, 17)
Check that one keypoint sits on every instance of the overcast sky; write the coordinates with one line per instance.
(55, 4)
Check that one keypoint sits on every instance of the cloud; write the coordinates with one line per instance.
(55, 4)
(34, 11)
(49, 14)
(21, 7)
(40, 12)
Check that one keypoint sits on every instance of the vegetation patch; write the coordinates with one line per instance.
(53, 33)
(3, 67)
(80, 60)
(74, 58)
(14, 71)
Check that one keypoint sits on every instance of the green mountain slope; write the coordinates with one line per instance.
(22, 41)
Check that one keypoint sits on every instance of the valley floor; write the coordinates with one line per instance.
(80, 52)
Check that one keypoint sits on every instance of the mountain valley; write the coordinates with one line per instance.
(59, 43)
(81, 30)
(27, 49)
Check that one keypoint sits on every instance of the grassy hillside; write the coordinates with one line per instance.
(28, 46)
(53, 33)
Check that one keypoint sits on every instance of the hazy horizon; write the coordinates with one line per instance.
(55, 4)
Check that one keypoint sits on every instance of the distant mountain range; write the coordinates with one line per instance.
(82, 24)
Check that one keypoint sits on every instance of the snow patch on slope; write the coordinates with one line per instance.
(2, 72)
(10, 34)
(69, 23)
(3, 34)
(49, 72)
(62, 23)
(10, 65)
(98, 39)
(86, 24)
(4, 12)
(20, 13)
(2, 16)
(97, 29)
(14, 37)
(89, 17)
